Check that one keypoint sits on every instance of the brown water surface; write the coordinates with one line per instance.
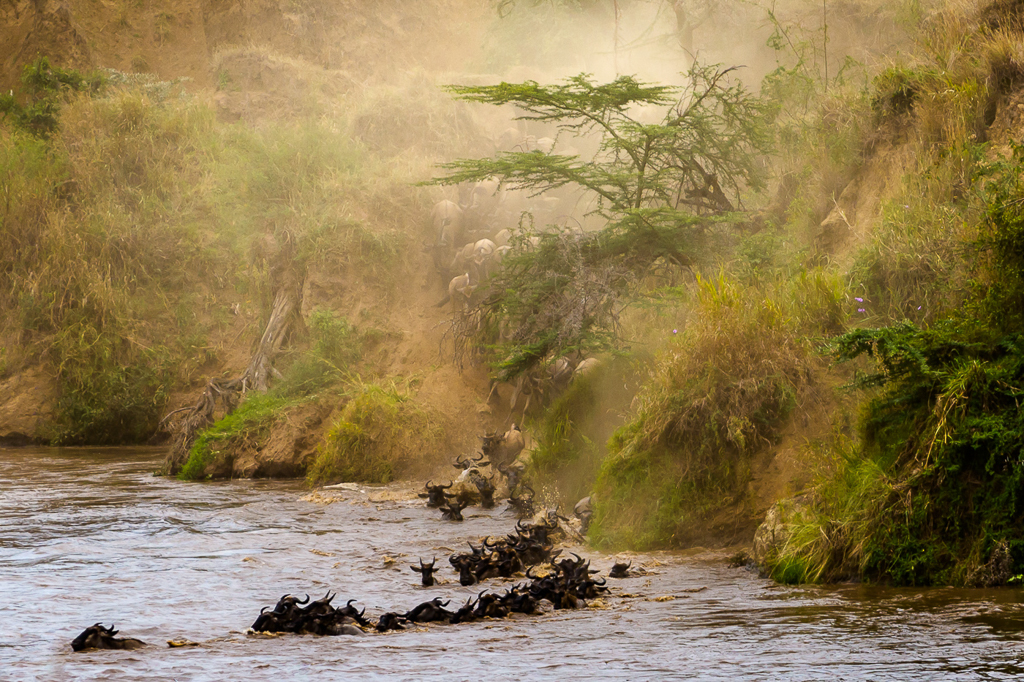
(91, 535)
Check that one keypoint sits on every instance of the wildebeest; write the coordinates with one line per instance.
(460, 292)
(449, 231)
(520, 503)
(390, 621)
(98, 637)
(453, 510)
(503, 449)
(431, 611)
(466, 464)
(486, 488)
(465, 613)
(483, 256)
(513, 474)
(620, 570)
(484, 201)
(354, 614)
(584, 511)
(585, 367)
(464, 564)
(435, 494)
(426, 571)
(319, 618)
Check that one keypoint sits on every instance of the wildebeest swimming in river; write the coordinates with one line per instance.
(319, 618)
(427, 572)
(435, 494)
(98, 637)
(453, 510)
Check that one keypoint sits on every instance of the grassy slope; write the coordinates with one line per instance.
(927, 493)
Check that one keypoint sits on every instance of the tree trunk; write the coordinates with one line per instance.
(256, 377)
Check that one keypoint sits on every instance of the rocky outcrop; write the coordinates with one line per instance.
(773, 533)
(26, 402)
(34, 28)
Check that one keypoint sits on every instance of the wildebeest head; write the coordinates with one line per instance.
(620, 570)
(435, 494)
(464, 464)
(464, 565)
(353, 613)
(512, 474)
(390, 621)
(427, 572)
(453, 510)
(432, 610)
(520, 503)
(485, 488)
(465, 613)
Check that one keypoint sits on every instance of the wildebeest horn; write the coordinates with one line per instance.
(450, 484)
(303, 602)
(350, 602)
(427, 485)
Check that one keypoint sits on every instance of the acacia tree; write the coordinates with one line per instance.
(658, 186)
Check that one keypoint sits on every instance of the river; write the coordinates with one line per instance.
(91, 535)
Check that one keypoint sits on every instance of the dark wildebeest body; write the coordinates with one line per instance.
(429, 612)
(620, 570)
(98, 637)
(435, 494)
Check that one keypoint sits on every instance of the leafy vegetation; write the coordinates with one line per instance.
(379, 433)
(322, 372)
(719, 396)
(248, 426)
(44, 88)
(659, 187)
(137, 221)
(934, 490)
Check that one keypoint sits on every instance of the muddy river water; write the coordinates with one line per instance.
(92, 535)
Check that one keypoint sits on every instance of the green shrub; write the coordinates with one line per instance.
(250, 423)
(935, 493)
(720, 394)
(380, 434)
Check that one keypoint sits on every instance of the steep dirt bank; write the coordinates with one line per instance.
(179, 38)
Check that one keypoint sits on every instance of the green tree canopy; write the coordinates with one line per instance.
(658, 186)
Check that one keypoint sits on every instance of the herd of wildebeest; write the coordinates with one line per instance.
(465, 254)
(472, 237)
(551, 581)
